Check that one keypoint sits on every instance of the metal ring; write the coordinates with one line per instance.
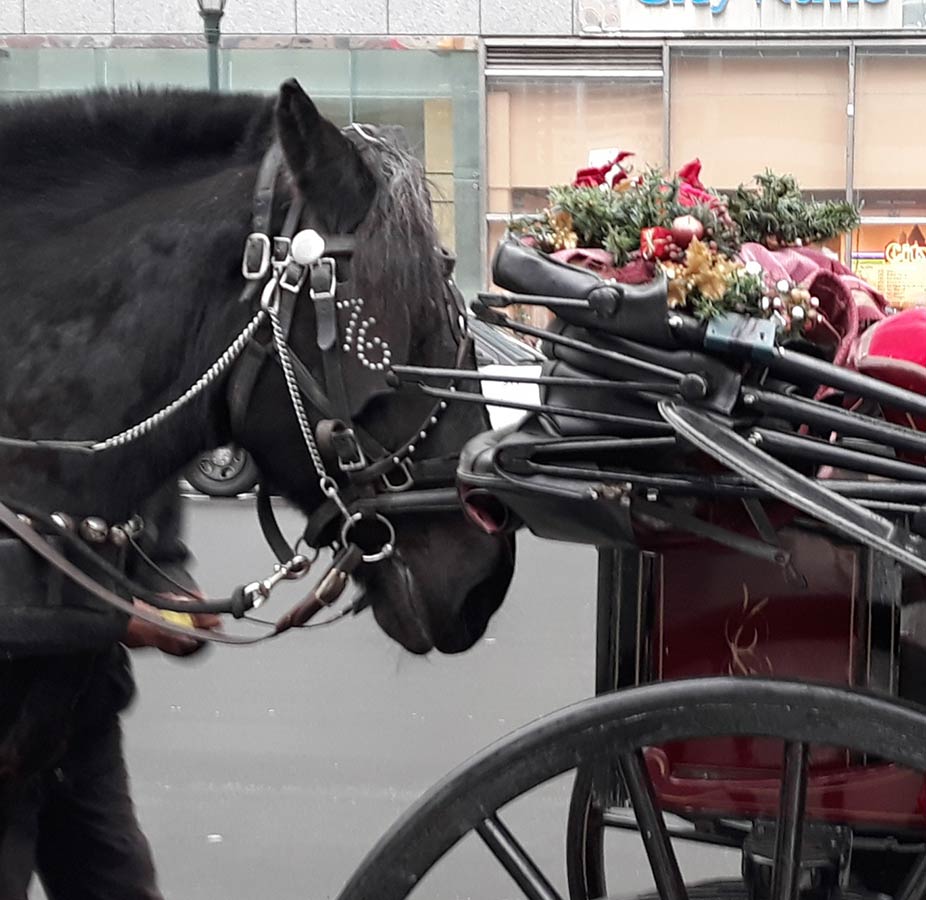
(385, 551)
(299, 566)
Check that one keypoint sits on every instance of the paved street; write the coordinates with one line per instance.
(269, 772)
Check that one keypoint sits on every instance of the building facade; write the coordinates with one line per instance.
(503, 97)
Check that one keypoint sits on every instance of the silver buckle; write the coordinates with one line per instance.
(282, 250)
(331, 290)
(294, 287)
(256, 240)
(361, 461)
(397, 488)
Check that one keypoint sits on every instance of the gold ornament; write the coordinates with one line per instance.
(564, 238)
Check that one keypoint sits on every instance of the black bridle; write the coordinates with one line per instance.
(361, 480)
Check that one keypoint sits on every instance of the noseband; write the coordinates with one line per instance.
(361, 480)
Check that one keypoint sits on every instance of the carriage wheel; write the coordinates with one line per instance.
(620, 726)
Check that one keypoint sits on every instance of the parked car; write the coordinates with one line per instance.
(229, 470)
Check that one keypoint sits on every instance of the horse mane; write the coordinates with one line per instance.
(398, 240)
(59, 137)
(65, 159)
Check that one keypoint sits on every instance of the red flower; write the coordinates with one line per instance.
(691, 192)
(690, 174)
(588, 178)
(692, 196)
(595, 176)
(654, 242)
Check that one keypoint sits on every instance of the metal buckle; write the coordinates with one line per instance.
(360, 460)
(282, 250)
(331, 289)
(294, 286)
(256, 241)
(395, 487)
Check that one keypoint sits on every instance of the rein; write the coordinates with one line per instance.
(356, 475)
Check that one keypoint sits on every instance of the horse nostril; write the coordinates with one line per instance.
(485, 511)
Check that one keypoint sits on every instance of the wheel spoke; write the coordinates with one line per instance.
(790, 822)
(506, 849)
(656, 839)
(914, 886)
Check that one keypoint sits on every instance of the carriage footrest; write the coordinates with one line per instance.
(825, 852)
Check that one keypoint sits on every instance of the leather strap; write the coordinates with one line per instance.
(273, 534)
(32, 539)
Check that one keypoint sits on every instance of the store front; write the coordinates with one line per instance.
(830, 94)
(429, 86)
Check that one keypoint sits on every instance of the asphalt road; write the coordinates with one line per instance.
(269, 772)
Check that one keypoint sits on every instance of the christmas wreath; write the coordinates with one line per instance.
(628, 227)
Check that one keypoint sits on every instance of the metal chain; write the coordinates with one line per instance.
(209, 377)
(295, 394)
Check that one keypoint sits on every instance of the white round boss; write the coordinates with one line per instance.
(307, 247)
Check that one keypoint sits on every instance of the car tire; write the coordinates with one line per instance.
(223, 472)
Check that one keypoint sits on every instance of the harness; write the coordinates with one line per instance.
(362, 481)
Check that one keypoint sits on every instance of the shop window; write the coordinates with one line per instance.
(890, 131)
(434, 96)
(889, 249)
(892, 258)
(541, 130)
(742, 112)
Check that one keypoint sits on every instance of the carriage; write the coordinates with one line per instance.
(760, 562)
(758, 506)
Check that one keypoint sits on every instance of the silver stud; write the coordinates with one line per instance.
(24, 519)
(94, 530)
(377, 341)
(345, 348)
(422, 434)
(118, 536)
(433, 420)
(443, 404)
(411, 449)
(62, 520)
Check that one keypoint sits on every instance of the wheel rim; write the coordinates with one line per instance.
(619, 725)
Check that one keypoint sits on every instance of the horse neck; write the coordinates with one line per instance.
(107, 344)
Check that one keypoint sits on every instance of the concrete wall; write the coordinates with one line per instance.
(378, 17)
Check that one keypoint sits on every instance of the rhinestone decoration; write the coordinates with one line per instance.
(372, 352)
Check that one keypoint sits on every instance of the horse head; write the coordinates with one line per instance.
(147, 201)
(392, 305)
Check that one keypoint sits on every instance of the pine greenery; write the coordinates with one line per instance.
(772, 212)
(776, 214)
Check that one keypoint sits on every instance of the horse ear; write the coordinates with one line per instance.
(324, 164)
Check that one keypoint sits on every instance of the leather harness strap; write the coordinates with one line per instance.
(31, 538)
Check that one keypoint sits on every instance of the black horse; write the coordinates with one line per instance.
(124, 219)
